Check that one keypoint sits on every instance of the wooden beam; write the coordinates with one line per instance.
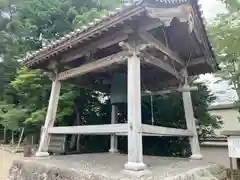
(93, 66)
(164, 131)
(159, 45)
(144, 134)
(197, 61)
(100, 44)
(183, 89)
(148, 24)
(107, 41)
(90, 129)
(161, 64)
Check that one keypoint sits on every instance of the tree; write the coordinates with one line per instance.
(225, 36)
(232, 5)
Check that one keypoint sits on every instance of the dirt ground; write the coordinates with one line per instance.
(6, 159)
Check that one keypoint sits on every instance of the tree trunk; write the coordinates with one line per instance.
(5, 135)
(78, 136)
(12, 137)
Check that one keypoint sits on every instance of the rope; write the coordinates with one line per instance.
(151, 100)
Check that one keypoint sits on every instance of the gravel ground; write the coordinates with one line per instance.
(6, 159)
(106, 166)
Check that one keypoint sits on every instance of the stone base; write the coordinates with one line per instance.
(135, 166)
(137, 174)
(113, 151)
(196, 157)
(42, 154)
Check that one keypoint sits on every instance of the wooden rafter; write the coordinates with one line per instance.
(93, 66)
(118, 36)
(102, 43)
(159, 45)
(161, 64)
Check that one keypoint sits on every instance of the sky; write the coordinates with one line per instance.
(223, 91)
(211, 8)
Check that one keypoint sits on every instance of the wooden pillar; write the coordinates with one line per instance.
(50, 118)
(135, 154)
(113, 141)
(191, 122)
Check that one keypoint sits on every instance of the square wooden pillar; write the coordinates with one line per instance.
(135, 154)
(191, 122)
(114, 138)
(50, 118)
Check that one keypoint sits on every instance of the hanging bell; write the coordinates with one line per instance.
(119, 88)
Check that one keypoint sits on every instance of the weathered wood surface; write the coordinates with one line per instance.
(170, 90)
(57, 143)
(90, 129)
(114, 138)
(161, 64)
(159, 45)
(51, 115)
(93, 66)
(107, 41)
(164, 131)
(191, 121)
(135, 154)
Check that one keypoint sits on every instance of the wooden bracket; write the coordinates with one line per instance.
(160, 46)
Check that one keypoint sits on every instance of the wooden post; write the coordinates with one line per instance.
(50, 118)
(113, 141)
(190, 119)
(135, 154)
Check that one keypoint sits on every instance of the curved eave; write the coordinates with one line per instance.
(200, 15)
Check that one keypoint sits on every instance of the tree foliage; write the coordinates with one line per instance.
(232, 5)
(225, 36)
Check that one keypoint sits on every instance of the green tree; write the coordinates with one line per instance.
(225, 36)
(232, 5)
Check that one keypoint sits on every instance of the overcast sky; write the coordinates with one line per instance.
(211, 8)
